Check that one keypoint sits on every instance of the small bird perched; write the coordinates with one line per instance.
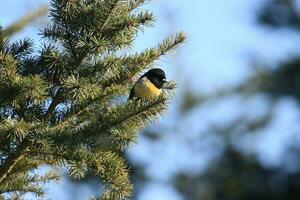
(149, 85)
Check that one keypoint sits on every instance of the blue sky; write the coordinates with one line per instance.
(222, 41)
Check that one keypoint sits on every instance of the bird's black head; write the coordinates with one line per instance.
(156, 76)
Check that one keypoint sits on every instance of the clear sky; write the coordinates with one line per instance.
(222, 40)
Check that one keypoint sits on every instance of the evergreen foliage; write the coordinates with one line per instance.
(56, 103)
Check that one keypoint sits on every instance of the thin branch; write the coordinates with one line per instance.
(109, 15)
(13, 160)
(56, 100)
(19, 25)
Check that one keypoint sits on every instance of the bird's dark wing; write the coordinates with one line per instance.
(132, 94)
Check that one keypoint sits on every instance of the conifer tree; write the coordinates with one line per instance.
(56, 101)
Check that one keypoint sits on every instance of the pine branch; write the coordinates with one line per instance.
(27, 183)
(136, 110)
(19, 25)
(55, 101)
(13, 159)
(112, 6)
(56, 104)
(21, 48)
(133, 4)
(136, 63)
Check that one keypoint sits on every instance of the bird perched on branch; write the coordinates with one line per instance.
(149, 85)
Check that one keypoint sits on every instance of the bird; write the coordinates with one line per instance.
(148, 86)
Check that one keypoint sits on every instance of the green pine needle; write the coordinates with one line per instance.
(60, 100)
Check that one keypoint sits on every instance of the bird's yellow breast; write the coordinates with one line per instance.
(146, 90)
